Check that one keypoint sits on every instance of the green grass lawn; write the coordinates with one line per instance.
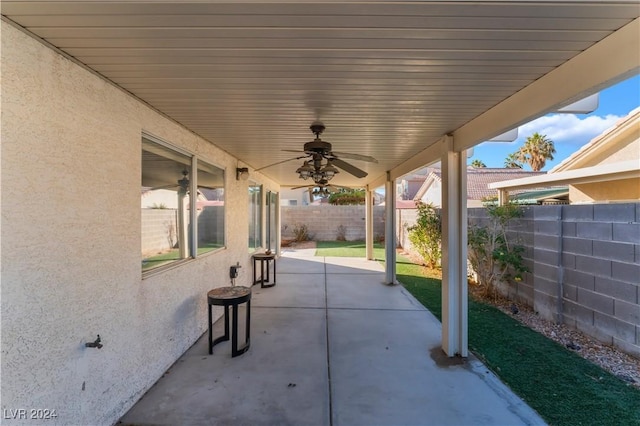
(348, 249)
(562, 387)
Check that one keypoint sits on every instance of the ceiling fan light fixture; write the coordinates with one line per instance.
(305, 170)
(329, 170)
(183, 184)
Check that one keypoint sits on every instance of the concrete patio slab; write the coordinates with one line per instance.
(386, 375)
(301, 265)
(352, 265)
(330, 349)
(367, 291)
(292, 290)
(288, 347)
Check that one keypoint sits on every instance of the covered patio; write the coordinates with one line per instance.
(100, 97)
(331, 344)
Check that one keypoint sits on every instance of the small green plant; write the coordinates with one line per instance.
(301, 232)
(426, 234)
(341, 233)
(493, 257)
(347, 197)
(160, 206)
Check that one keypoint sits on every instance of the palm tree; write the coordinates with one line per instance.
(537, 149)
(511, 162)
(477, 164)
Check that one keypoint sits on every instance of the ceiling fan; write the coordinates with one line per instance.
(321, 189)
(318, 150)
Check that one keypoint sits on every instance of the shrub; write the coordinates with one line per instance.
(341, 233)
(301, 232)
(347, 197)
(426, 234)
(493, 257)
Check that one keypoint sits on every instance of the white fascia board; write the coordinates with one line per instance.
(606, 62)
(601, 173)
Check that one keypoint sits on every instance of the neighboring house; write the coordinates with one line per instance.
(478, 180)
(294, 197)
(408, 185)
(617, 145)
(605, 170)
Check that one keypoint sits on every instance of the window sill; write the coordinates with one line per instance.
(161, 269)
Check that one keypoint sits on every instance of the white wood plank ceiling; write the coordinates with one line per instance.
(387, 78)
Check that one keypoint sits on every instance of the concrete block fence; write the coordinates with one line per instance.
(585, 268)
(159, 228)
(323, 221)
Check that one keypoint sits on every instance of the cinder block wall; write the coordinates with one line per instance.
(211, 224)
(160, 223)
(323, 221)
(156, 230)
(405, 218)
(585, 268)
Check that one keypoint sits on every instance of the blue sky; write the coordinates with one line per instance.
(568, 131)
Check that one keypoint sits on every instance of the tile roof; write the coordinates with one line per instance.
(478, 180)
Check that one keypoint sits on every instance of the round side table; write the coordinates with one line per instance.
(230, 297)
(264, 260)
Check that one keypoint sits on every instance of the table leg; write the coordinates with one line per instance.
(234, 338)
(234, 331)
(226, 330)
(210, 333)
(248, 324)
(254, 271)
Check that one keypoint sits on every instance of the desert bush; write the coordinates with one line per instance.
(426, 234)
(301, 232)
(493, 257)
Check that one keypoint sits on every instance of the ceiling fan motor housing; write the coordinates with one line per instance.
(317, 128)
(318, 146)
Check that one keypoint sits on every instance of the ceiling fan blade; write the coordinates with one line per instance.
(355, 157)
(349, 168)
(163, 187)
(303, 186)
(280, 162)
(338, 187)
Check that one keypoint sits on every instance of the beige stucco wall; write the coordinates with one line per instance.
(625, 190)
(71, 242)
(620, 144)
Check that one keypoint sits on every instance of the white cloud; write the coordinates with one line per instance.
(568, 128)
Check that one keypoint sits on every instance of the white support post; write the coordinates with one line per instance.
(390, 230)
(193, 210)
(368, 222)
(454, 251)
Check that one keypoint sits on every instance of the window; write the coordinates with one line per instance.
(255, 216)
(168, 210)
(272, 221)
(210, 207)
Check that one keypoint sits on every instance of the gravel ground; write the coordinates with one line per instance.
(618, 363)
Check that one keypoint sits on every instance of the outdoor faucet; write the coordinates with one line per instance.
(94, 344)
